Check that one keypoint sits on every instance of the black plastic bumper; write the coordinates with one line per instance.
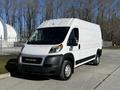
(51, 66)
(11, 66)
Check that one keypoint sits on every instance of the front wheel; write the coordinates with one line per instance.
(66, 70)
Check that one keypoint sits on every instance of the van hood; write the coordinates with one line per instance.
(36, 49)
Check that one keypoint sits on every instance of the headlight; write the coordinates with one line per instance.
(56, 48)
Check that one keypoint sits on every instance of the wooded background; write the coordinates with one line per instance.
(26, 15)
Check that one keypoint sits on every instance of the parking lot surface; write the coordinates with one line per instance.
(105, 76)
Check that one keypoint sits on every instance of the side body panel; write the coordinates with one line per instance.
(90, 41)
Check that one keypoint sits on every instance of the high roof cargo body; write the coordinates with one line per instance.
(67, 22)
(60, 45)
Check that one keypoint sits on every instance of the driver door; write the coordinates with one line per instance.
(73, 43)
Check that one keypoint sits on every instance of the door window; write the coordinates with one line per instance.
(74, 37)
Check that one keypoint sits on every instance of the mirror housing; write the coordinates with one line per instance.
(72, 42)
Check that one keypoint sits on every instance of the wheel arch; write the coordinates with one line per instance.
(99, 52)
(70, 57)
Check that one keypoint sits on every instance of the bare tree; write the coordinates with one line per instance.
(49, 9)
(14, 8)
(25, 15)
(7, 10)
(1, 5)
(31, 12)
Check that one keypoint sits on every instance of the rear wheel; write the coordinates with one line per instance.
(96, 61)
(66, 70)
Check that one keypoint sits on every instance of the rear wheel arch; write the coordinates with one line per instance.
(99, 52)
(97, 57)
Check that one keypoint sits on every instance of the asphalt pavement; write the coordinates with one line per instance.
(105, 76)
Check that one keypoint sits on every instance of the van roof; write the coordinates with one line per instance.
(65, 22)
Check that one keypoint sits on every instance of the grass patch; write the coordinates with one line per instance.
(3, 60)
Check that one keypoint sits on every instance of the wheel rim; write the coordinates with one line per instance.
(67, 70)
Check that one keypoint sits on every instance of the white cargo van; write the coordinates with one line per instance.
(60, 45)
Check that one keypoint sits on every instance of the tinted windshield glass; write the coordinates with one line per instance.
(53, 35)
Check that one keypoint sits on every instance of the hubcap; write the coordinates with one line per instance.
(67, 70)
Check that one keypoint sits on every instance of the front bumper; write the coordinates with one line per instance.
(51, 66)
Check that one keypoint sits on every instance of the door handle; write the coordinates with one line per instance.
(79, 46)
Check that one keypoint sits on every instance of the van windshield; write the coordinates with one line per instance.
(51, 35)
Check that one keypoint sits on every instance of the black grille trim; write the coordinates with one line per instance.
(31, 60)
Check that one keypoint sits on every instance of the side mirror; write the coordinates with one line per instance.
(72, 42)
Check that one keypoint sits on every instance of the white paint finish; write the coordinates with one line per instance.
(57, 23)
(36, 49)
(89, 39)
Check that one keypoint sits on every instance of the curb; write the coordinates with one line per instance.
(2, 76)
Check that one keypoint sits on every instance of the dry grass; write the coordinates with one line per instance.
(3, 61)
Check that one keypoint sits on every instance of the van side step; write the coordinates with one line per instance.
(84, 59)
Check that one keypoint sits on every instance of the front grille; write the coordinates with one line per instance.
(31, 69)
(31, 60)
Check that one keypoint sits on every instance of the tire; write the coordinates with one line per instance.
(66, 70)
(96, 61)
